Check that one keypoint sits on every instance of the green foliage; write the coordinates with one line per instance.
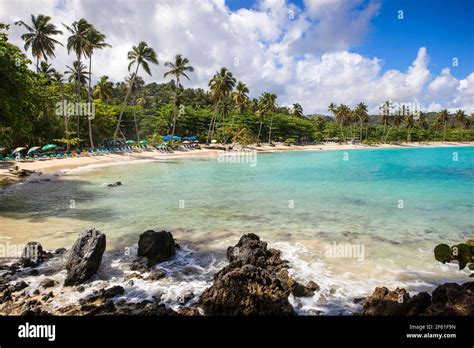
(462, 253)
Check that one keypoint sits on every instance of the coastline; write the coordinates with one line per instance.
(52, 166)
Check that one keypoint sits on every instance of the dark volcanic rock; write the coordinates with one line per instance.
(85, 257)
(156, 274)
(395, 303)
(140, 265)
(19, 286)
(33, 255)
(254, 283)
(47, 283)
(156, 246)
(452, 299)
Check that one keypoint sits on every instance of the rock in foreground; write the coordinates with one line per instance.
(85, 257)
(254, 283)
(156, 246)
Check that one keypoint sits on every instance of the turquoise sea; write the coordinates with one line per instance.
(389, 206)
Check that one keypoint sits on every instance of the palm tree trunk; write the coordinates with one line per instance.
(37, 64)
(444, 136)
(360, 130)
(78, 97)
(91, 141)
(211, 124)
(259, 130)
(123, 104)
(174, 106)
(66, 132)
(270, 131)
(136, 125)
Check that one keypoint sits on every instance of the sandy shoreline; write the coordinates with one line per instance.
(56, 165)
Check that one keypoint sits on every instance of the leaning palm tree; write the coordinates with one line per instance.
(461, 120)
(77, 43)
(140, 55)
(94, 40)
(385, 114)
(178, 68)
(443, 118)
(240, 96)
(296, 110)
(39, 37)
(221, 85)
(103, 89)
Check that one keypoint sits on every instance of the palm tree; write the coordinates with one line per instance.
(221, 85)
(46, 70)
(461, 120)
(240, 96)
(421, 121)
(58, 78)
(269, 105)
(77, 73)
(78, 42)
(103, 89)
(443, 117)
(140, 55)
(39, 37)
(385, 114)
(409, 124)
(342, 113)
(260, 112)
(178, 68)
(94, 40)
(362, 115)
(296, 110)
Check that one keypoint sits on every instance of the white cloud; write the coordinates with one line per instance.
(302, 54)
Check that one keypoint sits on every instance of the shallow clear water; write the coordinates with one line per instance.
(396, 204)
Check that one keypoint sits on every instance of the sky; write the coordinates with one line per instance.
(313, 52)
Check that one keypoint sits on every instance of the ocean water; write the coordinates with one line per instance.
(349, 220)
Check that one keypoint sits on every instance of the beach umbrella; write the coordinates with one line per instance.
(166, 137)
(144, 142)
(129, 142)
(49, 147)
(175, 137)
(18, 149)
(33, 149)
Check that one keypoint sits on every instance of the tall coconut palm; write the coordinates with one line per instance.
(221, 85)
(58, 78)
(269, 104)
(362, 115)
(140, 55)
(296, 110)
(343, 114)
(443, 118)
(77, 42)
(421, 121)
(38, 37)
(177, 68)
(409, 124)
(260, 112)
(240, 96)
(461, 120)
(103, 89)
(385, 114)
(94, 40)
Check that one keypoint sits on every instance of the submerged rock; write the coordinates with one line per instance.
(452, 299)
(47, 283)
(33, 255)
(156, 246)
(156, 274)
(254, 283)
(85, 257)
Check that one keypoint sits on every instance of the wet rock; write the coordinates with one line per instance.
(132, 276)
(117, 183)
(189, 311)
(312, 286)
(140, 265)
(19, 286)
(156, 274)
(48, 296)
(47, 283)
(299, 290)
(452, 299)
(33, 255)
(113, 291)
(60, 251)
(80, 288)
(156, 246)
(254, 283)
(185, 297)
(394, 303)
(34, 272)
(85, 257)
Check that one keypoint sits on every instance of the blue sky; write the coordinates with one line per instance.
(444, 27)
